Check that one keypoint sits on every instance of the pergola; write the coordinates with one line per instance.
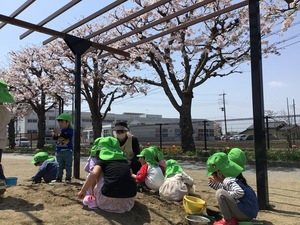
(79, 46)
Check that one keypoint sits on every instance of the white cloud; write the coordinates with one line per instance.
(276, 84)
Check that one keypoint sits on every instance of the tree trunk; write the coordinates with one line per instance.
(41, 129)
(186, 126)
(97, 125)
(11, 134)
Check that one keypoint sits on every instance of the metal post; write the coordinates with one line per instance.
(78, 47)
(267, 130)
(205, 141)
(258, 106)
(160, 136)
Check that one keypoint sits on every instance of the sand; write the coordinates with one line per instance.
(44, 204)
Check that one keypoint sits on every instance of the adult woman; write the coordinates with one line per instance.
(5, 115)
(115, 190)
(128, 144)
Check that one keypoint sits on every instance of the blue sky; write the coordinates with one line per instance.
(281, 74)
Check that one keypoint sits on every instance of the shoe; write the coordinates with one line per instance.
(2, 187)
(232, 221)
(57, 180)
(68, 181)
(90, 202)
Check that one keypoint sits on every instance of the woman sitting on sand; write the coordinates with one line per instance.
(115, 190)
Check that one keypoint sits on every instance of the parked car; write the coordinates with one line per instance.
(22, 142)
(49, 140)
(248, 137)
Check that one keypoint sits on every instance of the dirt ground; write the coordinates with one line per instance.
(27, 204)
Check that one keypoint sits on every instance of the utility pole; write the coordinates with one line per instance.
(224, 110)
(288, 111)
(294, 109)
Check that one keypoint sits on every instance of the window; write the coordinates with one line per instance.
(31, 131)
(32, 120)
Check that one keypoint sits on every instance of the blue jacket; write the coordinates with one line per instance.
(47, 171)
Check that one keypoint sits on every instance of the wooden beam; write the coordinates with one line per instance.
(183, 26)
(48, 31)
(19, 10)
(52, 16)
(130, 17)
(164, 19)
(89, 18)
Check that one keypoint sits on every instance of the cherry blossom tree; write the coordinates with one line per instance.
(183, 60)
(17, 109)
(103, 80)
(35, 82)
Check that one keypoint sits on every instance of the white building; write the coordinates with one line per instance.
(146, 127)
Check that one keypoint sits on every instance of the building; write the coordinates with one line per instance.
(147, 127)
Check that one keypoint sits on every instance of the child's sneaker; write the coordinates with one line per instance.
(2, 187)
(90, 202)
(232, 221)
(68, 181)
(57, 180)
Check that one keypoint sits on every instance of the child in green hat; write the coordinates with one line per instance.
(235, 155)
(5, 97)
(237, 200)
(48, 167)
(64, 146)
(177, 183)
(115, 190)
(159, 157)
(150, 173)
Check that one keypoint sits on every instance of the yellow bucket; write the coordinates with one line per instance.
(193, 205)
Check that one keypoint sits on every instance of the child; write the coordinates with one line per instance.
(115, 191)
(238, 156)
(64, 146)
(159, 157)
(177, 183)
(150, 175)
(235, 155)
(236, 199)
(48, 167)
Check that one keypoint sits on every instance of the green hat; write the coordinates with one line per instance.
(65, 116)
(238, 156)
(149, 156)
(42, 156)
(5, 96)
(156, 152)
(110, 149)
(220, 162)
(95, 148)
(172, 168)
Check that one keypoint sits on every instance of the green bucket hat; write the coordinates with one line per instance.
(172, 168)
(65, 116)
(110, 149)
(42, 156)
(238, 156)
(220, 162)
(156, 152)
(5, 96)
(95, 148)
(149, 156)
